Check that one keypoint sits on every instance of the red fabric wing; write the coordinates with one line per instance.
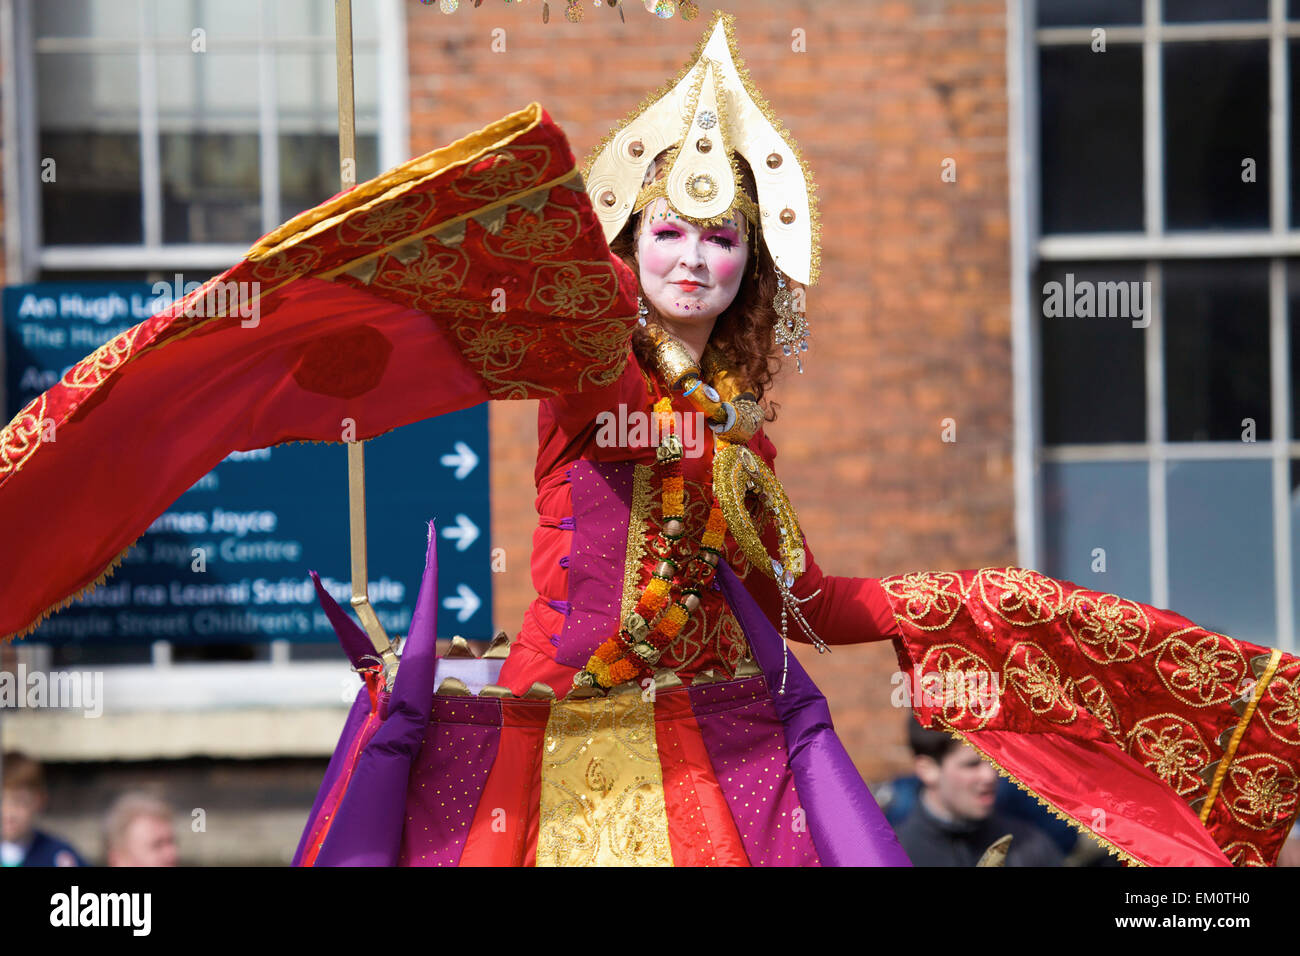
(415, 294)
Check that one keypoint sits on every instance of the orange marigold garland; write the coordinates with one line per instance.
(632, 653)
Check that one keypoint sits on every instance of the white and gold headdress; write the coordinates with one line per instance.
(704, 117)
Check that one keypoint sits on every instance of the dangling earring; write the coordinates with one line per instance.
(792, 329)
(642, 309)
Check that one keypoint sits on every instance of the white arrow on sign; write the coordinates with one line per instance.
(464, 604)
(464, 460)
(464, 533)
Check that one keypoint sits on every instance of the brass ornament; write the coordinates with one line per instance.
(733, 415)
(736, 470)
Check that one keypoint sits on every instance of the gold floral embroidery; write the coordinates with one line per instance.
(962, 684)
(437, 272)
(22, 436)
(602, 799)
(573, 289)
(1279, 709)
(282, 266)
(1244, 853)
(94, 368)
(495, 350)
(501, 173)
(1199, 668)
(462, 310)
(1108, 628)
(604, 341)
(728, 640)
(396, 217)
(930, 600)
(1205, 673)
(1263, 791)
(1170, 746)
(1036, 679)
(534, 236)
(1020, 596)
(1094, 699)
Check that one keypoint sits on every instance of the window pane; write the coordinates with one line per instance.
(1216, 117)
(118, 19)
(1203, 11)
(1087, 13)
(209, 142)
(1093, 361)
(1221, 547)
(1216, 350)
(304, 18)
(1091, 505)
(1293, 51)
(1091, 119)
(308, 118)
(89, 120)
(222, 20)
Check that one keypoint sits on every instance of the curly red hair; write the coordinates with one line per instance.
(745, 331)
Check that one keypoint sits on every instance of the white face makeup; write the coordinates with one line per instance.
(690, 274)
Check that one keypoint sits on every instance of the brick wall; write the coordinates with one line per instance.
(910, 319)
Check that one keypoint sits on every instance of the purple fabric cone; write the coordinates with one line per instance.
(847, 825)
(367, 828)
(356, 645)
(356, 717)
(354, 640)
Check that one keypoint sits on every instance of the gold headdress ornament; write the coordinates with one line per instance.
(704, 117)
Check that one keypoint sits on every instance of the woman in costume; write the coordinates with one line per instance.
(649, 711)
(666, 558)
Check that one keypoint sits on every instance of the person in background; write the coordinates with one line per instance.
(954, 820)
(138, 831)
(23, 800)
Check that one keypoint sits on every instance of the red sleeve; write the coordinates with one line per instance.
(567, 423)
(848, 610)
(574, 411)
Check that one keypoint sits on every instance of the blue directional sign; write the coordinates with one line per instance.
(228, 561)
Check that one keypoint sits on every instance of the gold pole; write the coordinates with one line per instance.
(356, 449)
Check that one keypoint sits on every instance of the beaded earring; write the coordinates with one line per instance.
(643, 311)
(792, 326)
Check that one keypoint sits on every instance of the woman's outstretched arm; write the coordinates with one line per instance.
(849, 610)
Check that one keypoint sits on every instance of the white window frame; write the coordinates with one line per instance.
(28, 255)
(1029, 247)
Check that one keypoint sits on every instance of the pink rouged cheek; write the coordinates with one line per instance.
(657, 257)
(728, 266)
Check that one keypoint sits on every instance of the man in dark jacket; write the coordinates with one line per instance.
(22, 801)
(953, 821)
